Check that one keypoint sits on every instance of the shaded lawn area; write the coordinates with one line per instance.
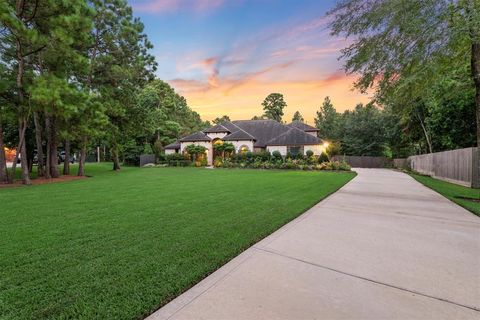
(453, 192)
(119, 245)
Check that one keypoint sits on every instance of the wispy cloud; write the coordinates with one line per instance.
(162, 6)
(296, 57)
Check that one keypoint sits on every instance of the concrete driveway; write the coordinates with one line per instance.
(382, 247)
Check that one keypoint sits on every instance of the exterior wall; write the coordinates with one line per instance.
(219, 135)
(317, 149)
(240, 143)
(169, 151)
(206, 144)
(281, 149)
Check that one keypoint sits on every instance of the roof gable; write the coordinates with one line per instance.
(218, 128)
(197, 136)
(239, 135)
(174, 145)
(302, 126)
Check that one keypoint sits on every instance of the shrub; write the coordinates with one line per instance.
(239, 157)
(218, 162)
(276, 156)
(249, 157)
(344, 166)
(323, 158)
(161, 158)
(309, 153)
(177, 160)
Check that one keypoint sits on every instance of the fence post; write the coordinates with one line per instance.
(476, 167)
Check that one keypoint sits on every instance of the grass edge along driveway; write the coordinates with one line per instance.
(122, 244)
(452, 191)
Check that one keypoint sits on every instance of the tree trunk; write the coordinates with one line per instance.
(38, 138)
(23, 153)
(425, 132)
(3, 159)
(11, 177)
(66, 160)
(48, 154)
(115, 158)
(83, 156)
(52, 149)
(475, 60)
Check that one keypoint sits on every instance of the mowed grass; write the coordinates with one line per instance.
(120, 245)
(453, 192)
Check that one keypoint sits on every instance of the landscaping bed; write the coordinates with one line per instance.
(261, 160)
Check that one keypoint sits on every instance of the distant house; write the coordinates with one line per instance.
(255, 136)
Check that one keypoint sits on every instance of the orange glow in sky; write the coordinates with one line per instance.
(226, 56)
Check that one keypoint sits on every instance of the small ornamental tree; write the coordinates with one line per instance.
(224, 148)
(194, 151)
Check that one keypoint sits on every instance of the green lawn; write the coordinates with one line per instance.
(453, 192)
(120, 245)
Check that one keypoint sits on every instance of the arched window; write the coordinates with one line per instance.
(243, 149)
(217, 141)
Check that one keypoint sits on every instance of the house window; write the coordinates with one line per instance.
(243, 149)
(295, 150)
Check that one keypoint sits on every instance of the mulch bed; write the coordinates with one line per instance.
(18, 183)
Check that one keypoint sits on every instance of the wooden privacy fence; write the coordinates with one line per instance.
(146, 159)
(461, 166)
(365, 161)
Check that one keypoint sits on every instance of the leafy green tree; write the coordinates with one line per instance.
(364, 131)
(328, 121)
(119, 64)
(163, 115)
(297, 116)
(258, 117)
(221, 119)
(20, 39)
(402, 47)
(273, 106)
(39, 39)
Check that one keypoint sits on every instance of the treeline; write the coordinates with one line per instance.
(370, 130)
(79, 73)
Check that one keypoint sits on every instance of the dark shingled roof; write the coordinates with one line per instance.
(230, 126)
(174, 145)
(239, 135)
(293, 137)
(216, 129)
(262, 130)
(302, 126)
(197, 136)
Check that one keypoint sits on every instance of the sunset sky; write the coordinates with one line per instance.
(226, 56)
